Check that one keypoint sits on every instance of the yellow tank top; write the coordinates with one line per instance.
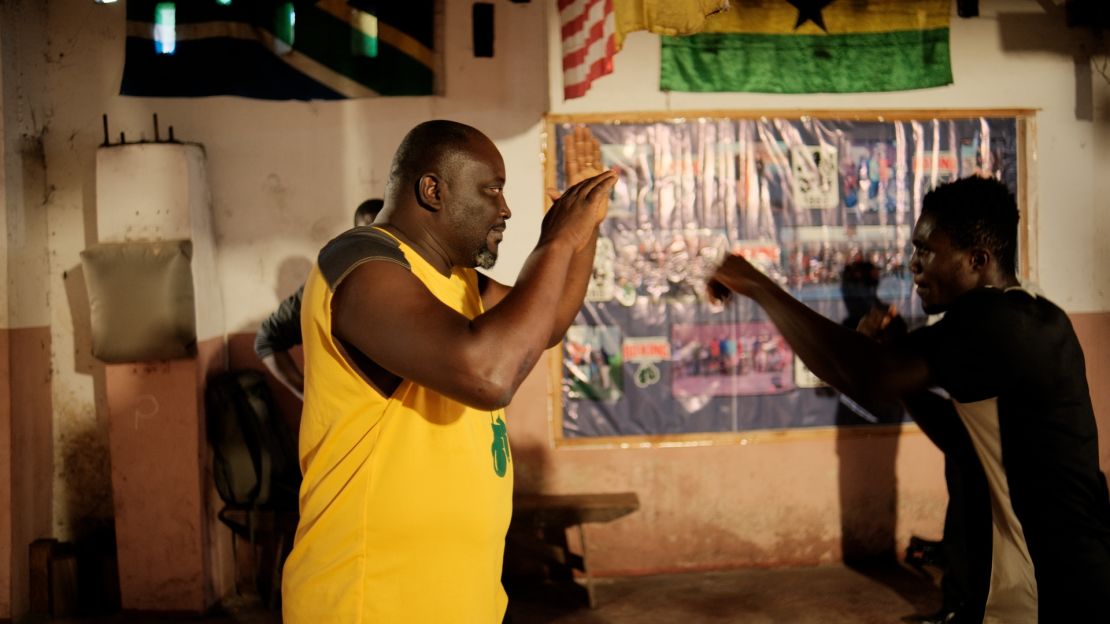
(406, 499)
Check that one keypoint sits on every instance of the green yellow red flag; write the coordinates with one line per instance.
(813, 46)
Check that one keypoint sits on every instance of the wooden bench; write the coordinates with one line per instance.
(539, 529)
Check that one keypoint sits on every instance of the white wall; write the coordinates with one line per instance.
(23, 261)
(286, 176)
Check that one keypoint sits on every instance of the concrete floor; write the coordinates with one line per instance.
(826, 595)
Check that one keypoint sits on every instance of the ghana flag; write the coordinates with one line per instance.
(813, 46)
(280, 50)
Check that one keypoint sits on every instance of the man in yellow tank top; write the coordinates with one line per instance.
(410, 357)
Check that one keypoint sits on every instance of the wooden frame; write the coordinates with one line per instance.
(1027, 241)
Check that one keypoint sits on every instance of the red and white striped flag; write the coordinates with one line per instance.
(589, 43)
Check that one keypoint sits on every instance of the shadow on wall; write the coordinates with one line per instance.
(868, 493)
(529, 468)
(82, 442)
(869, 504)
(1049, 32)
(1046, 31)
(80, 313)
(86, 488)
(291, 275)
(292, 272)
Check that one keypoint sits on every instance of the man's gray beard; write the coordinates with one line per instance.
(485, 259)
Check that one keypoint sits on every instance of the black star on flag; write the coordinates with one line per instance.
(810, 11)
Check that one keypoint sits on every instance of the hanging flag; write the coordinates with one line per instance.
(589, 43)
(280, 49)
(813, 46)
(664, 17)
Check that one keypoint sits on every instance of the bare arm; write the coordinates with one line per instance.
(285, 369)
(480, 361)
(851, 362)
(581, 159)
(574, 291)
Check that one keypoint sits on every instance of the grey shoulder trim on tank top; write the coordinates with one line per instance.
(350, 249)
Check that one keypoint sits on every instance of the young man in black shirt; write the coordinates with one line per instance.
(1012, 366)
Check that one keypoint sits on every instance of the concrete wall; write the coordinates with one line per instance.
(26, 426)
(286, 176)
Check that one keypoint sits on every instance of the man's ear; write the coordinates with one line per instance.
(429, 191)
(980, 258)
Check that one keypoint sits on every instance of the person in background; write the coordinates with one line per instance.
(411, 356)
(281, 331)
(367, 211)
(1013, 371)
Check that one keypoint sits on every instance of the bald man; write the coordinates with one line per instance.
(410, 357)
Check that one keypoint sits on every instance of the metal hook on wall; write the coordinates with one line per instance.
(123, 138)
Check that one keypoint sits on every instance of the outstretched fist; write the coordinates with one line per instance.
(735, 274)
(882, 323)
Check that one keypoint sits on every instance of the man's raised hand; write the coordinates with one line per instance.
(579, 210)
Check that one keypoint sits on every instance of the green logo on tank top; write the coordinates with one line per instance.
(500, 447)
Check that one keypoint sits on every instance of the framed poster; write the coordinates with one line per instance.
(649, 359)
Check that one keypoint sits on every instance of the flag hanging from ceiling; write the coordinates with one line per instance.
(280, 49)
(813, 46)
(588, 30)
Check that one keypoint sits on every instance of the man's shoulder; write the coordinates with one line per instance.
(996, 304)
(1006, 322)
(976, 315)
(1003, 305)
(982, 297)
(355, 246)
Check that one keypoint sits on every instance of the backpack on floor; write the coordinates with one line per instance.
(254, 455)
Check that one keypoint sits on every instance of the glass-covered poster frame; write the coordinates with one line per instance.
(649, 360)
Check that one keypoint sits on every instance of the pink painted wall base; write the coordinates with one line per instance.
(160, 482)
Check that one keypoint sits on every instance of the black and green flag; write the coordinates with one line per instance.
(280, 49)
